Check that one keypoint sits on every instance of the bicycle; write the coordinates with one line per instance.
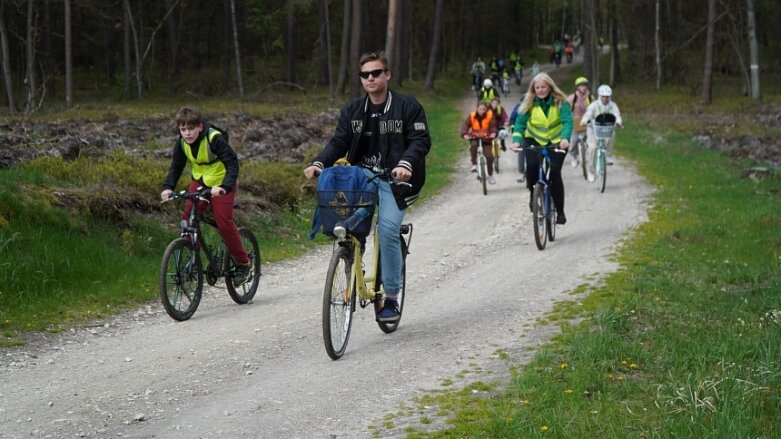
(506, 86)
(604, 125)
(482, 169)
(543, 209)
(347, 284)
(582, 147)
(181, 273)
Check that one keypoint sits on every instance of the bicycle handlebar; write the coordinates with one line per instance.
(201, 194)
(470, 136)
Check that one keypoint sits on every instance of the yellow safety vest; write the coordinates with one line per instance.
(544, 129)
(487, 95)
(207, 165)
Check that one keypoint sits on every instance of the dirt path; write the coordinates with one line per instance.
(476, 284)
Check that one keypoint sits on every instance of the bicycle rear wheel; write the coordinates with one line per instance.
(245, 292)
(338, 302)
(181, 279)
(483, 175)
(387, 327)
(601, 170)
(538, 212)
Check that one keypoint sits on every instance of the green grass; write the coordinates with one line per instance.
(79, 243)
(683, 341)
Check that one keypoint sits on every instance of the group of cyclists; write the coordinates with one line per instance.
(544, 117)
(497, 73)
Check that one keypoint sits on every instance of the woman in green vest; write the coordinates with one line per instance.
(544, 119)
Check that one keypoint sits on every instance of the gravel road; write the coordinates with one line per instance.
(476, 285)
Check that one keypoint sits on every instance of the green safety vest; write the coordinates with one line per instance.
(207, 165)
(544, 129)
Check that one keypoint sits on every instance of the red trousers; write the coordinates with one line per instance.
(222, 209)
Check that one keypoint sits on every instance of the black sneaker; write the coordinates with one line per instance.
(390, 312)
(241, 274)
(561, 218)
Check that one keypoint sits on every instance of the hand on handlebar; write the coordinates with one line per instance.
(466, 136)
(515, 147)
(166, 195)
(401, 174)
(312, 172)
(217, 191)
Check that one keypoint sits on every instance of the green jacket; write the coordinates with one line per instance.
(565, 113)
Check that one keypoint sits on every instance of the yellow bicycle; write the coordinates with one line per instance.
(347, 284)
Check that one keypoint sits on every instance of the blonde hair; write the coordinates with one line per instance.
(528, 101)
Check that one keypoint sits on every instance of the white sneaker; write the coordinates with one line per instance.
(609, 161)
(491, 179)
(574, 162)
(591, 177)
(473, 169)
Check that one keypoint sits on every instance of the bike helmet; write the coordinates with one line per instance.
(581, 80)
(502, 133)
(488, 83)
(605, 90)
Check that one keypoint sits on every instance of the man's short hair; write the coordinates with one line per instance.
(188, 116)
(375, 56)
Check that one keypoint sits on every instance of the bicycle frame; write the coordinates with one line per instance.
(216, 257)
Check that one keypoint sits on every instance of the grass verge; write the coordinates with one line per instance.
(682, 341)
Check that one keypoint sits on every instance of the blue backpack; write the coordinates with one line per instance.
(341, 190)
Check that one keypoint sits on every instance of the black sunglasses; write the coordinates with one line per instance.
(376, 73)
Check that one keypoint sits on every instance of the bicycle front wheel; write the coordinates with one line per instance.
(601, 170)
(483, 175)
(243, 293)
(338, 302)
(181, 279)
(540, 220)
(550, 221)
(387, 327)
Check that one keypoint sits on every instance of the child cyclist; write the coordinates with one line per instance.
(214, 165)
(602, 105)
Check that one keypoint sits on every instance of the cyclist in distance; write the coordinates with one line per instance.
(482, 123)
(502, 118)
(578, 100)
(215, 165)
(487, 92)
(604, 104)
(478, 72)
(544, 119)
(383, 132)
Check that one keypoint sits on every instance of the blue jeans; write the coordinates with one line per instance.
(389, 220)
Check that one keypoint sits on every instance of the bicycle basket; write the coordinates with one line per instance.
(604, 125)
(336, 206)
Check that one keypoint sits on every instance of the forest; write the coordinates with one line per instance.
(57, 53)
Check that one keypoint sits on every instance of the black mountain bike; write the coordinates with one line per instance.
(181, 273)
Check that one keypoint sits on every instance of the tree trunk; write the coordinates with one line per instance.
(390, 34)
(590, 52)
(239, 81)
(658, 48)
(136, 49)
(432, 57)
(355, 48)
(6, 58)
(326, 34)
(615, 64)
(753, 50)
(68, 56)
(289, 46)
(344, 48)
(126, 53)
(707, 81)
(173, 46)
(30, 57)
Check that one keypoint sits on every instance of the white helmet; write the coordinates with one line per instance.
(488, 83)
(502, 133)
(605, 90)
